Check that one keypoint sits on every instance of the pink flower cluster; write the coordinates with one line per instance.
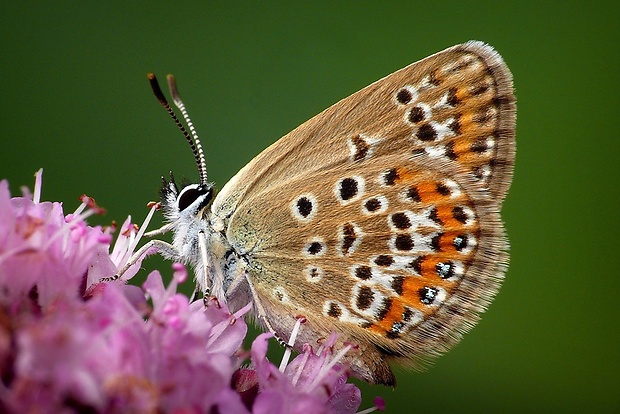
(70, 343)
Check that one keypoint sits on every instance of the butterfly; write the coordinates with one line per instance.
(379, 218)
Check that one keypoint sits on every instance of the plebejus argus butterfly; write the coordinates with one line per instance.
(378, 218)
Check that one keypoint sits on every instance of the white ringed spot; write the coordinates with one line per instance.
(313, 274)
(418, 113)
(304, 207)
(374, 205)
(406, 95)
(316, 247)
(349, 189)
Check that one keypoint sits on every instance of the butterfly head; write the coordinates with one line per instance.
(186, 204)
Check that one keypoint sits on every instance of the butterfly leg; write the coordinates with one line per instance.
(202, 244)
(163, 248)
(261, 314)
(162, 230)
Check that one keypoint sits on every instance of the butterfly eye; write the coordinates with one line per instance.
(190, 194)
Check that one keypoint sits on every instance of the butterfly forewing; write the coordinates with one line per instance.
(464, 94)
(379, 218)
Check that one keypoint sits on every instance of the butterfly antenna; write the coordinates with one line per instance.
(197, 147)
(192, 139)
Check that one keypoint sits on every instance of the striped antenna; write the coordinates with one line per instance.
(192, 139)
(197, 147)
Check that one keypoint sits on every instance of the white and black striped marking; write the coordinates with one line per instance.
(338, 310)
(388, 178)
(349, 238)
(414, 242)
(407, 220)
(361, 146)
(464, 215)
(435, 131)
(368, 301)
(451, 188)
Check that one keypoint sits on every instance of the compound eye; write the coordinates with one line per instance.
(193, 192)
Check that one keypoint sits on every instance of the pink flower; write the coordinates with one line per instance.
(311, 383)
(37, 240)
(73, 340)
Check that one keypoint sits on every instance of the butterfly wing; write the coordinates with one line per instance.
(379, 217)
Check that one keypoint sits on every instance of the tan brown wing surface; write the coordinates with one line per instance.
(379, 217)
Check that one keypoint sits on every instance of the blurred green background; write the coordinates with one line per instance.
(75, 100)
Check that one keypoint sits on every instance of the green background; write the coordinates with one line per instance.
(75, 100)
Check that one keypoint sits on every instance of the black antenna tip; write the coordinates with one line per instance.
(156, 89)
